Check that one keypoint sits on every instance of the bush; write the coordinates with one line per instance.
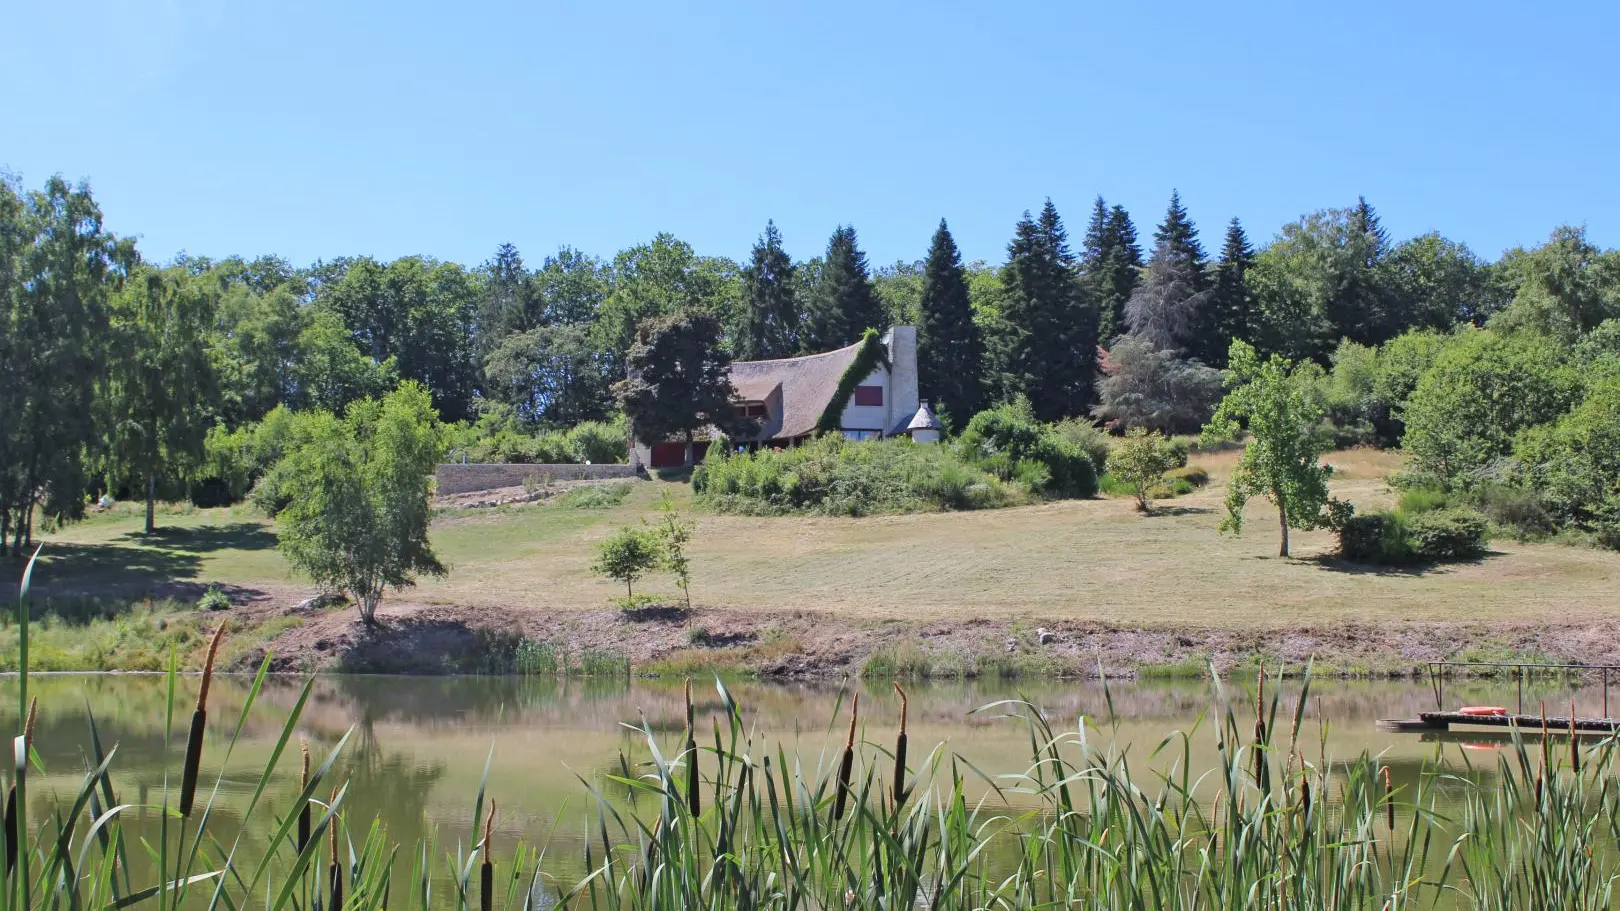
(1418, 500)
(833, 476)
(595, 496)
(214, 599)
(1446, 535)
(1141, 460)
(1513, 508)
(1194, 477)
(1091, 439)
(598, 442)
(1376, 537)
(999, 439)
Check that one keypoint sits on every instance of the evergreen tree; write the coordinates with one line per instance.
(1181, 235)
(842, 304)
(1110, 266)
(770, 318)
(1232, 307)
(1167, 310)
(1049, 353)
(950, 351)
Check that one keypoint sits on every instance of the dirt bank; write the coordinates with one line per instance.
(420, 638)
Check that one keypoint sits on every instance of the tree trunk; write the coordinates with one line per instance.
(151, 503)
(368, 607)
(688, 456)
(629, 593)
(5, 528)
(1282, 520)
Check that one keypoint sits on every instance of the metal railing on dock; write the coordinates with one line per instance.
(1521, 670)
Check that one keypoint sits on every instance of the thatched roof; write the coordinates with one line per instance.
(806, 384)
(924, 419)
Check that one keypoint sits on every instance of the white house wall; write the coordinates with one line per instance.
(870, 417)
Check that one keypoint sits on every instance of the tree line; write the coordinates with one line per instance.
(114, 370)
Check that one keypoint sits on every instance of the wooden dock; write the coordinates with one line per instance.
(1529, 724)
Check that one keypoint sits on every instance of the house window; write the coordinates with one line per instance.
(861, 435)
(869, 395)
(751, 410)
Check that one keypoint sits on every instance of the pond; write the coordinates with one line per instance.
(420, 745)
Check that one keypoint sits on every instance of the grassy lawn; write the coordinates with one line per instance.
(1095, 560)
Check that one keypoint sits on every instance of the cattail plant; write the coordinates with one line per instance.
(303, 785)
(1574, 744)
(1260, 776)
(1389, 800)
(900, 752)
(199, 720)
(335, 869)
(694, 800)
(486, 870)
(847, 767)
(11, 793)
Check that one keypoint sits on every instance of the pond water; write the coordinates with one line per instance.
(420, 745)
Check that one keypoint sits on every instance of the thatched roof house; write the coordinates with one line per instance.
(792, 398)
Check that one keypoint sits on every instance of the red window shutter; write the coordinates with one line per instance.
(869, 395)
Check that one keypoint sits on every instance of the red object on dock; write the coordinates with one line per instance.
(1487, 711)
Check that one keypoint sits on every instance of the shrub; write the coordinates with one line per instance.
(1446, 535)
(595, 496)
(1418, 500)
(214, 599)
(1375, 537)
(1513, 508)
(598, 442)
(1008, 432)
(1140, 460)
(1194, 476)
(1091, 439)
(833, 476)
(626, 556)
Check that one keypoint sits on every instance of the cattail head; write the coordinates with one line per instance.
(900, 751)
(486, 871)
(1574, 745)
(854, 713)
(208, 667)
(333, 830)
(689, 714)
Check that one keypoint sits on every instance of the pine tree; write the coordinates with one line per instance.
(1121, 271)
(770, 319)
(1364, 310)
(1364, 221)
(842, 305)
(950, 351)
(1232, 307)
(1179, 232)
(1050, 350)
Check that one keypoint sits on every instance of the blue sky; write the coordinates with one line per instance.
(316, 129)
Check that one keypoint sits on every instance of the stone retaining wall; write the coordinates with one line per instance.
(457, 478)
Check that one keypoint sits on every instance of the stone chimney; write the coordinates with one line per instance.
(902, 344)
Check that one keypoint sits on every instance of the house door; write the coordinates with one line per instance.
(668, 455)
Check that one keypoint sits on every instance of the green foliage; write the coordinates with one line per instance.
(841, 305)
(1152, 388)
(1447, 535)
(833, 476)
(1574, 463)
(552, 376)
(359, 493)
(1110, 266)
(595, 496)
(770, 321)
(1417, 500)
(1482, 391)
(1401, 538)
(1090, 439)
(1007, 442)
(680, 379)
(1282, 461)
(1378, 537)
(626, 556)
(1046, 341)
(871, 355)
(950, 347)
(213, 600)
(1140, 461)
(675, 532)
(1562, 289)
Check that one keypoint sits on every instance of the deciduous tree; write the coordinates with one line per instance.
(1282, 461)
(162, 389)
(1140, 460)
(679, 380)
(357, 518)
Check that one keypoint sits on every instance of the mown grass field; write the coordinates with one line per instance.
(1093, 560)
